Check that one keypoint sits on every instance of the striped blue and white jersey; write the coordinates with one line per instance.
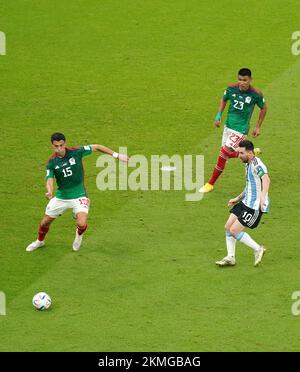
(254, 171)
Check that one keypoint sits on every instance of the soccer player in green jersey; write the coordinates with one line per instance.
(242, 97)
(65, 165)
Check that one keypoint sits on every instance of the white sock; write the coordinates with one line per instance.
(246, 239)
(230, 243)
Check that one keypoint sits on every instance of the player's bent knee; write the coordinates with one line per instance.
(47, 220)
(227, 228)
(233, 232)
(81, 218)
(81, 224)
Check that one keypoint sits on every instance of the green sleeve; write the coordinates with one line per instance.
(86, 150)
(49, 173)
(226, 95)
(83, 151)
(260, 101)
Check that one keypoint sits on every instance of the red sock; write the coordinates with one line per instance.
(224, 155)
(81, 229)
(42, 232)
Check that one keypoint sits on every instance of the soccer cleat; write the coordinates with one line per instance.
(206, 188)
(226, 261)
(259, 255)
(257, 151)
(77, 241)
(35, 245)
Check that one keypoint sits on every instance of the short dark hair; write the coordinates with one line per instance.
(248, 145)
(245, 72)
(57, 137)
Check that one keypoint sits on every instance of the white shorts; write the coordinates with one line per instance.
(231, 138)
(57, 207)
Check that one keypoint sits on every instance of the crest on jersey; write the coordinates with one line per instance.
(248, 99)
(72, 161)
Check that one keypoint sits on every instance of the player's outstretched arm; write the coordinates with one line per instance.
(109, 151)
(49, 188)
(262, 114)
(220, 112)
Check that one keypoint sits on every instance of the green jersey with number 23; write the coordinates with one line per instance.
(241, 106)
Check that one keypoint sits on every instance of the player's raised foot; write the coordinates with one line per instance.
(77, 241)
(35, 245)
(257, 151)
(206, 188)
(226, 261)
(259, 255)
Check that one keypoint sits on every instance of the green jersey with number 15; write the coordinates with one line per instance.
(68, 172)
(241, 106)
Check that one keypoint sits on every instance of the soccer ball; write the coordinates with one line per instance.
(41, 301)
